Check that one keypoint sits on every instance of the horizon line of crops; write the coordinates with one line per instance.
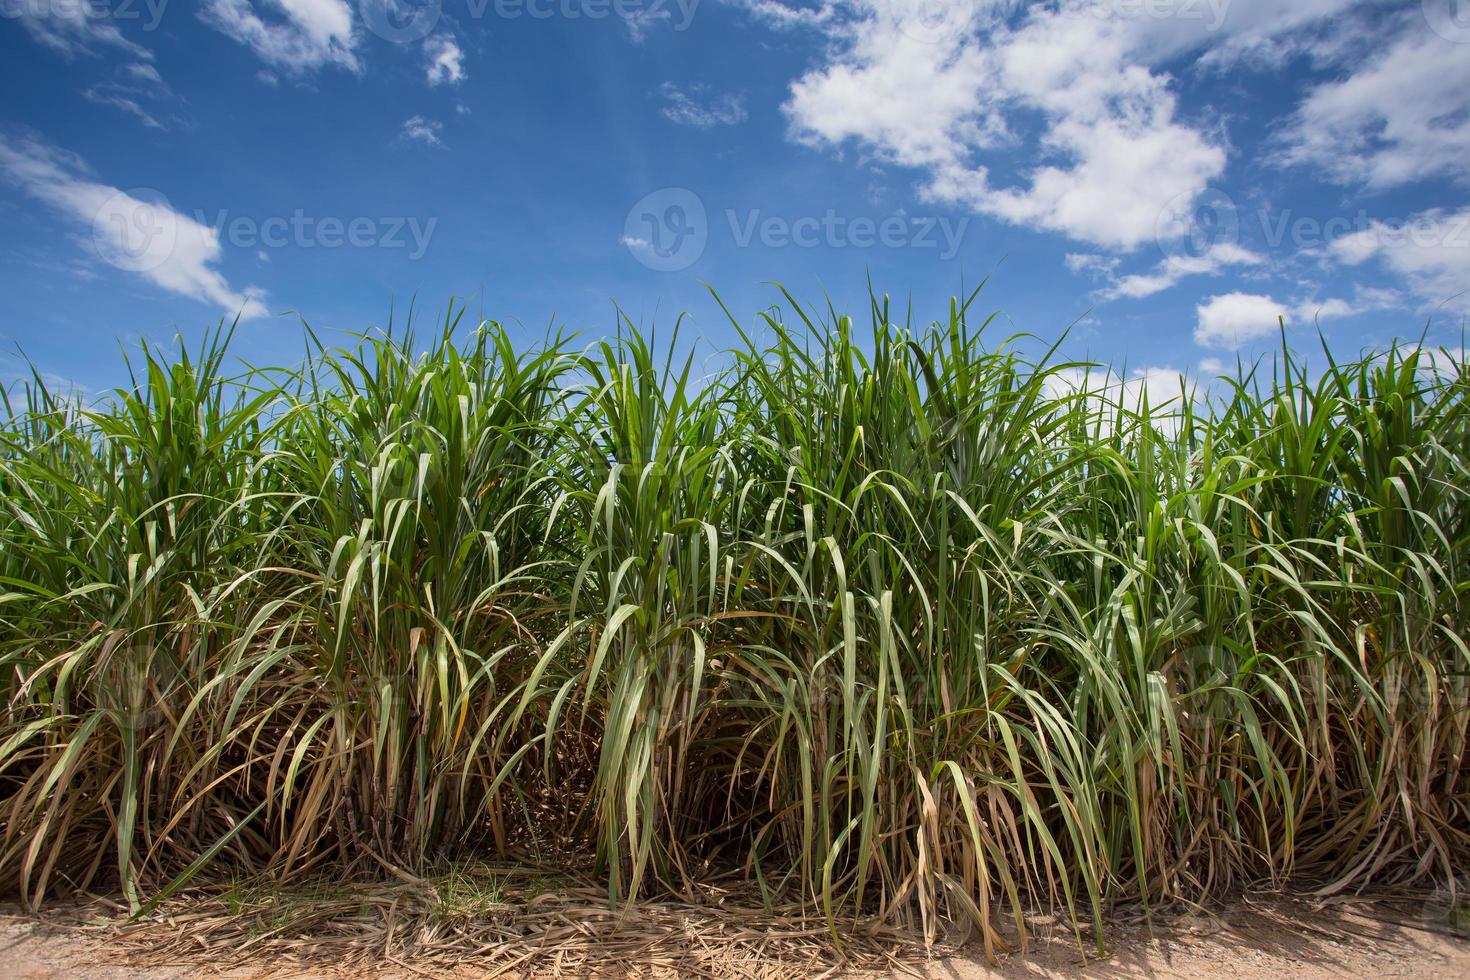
(895, 625)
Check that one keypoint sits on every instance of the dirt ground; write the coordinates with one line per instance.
(1271, 937)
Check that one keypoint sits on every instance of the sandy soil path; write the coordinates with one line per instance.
(1270, 939)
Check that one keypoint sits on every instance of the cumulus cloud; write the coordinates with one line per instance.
(446, 60)
(1093, 264)
(973, 93)
(296, 37)
(1110, 122)
(1159, 385)
(146, 237)
(1169, 272)
(692, 105)
(1164, 391)
(1444, 362)
(1399, 115)
(1234, 320)
(916, 102)
(935, 87)
(1431, 251)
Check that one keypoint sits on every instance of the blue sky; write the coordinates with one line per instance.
(1164, 177)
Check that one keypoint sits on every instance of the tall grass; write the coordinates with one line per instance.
(891, 622)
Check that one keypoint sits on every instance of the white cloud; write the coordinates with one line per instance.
(1164, 390)
(1366, 299)
(137, 89)
(423, 130)
(930, 94)
(143, 72)
(75, 28)
(1060, 116)
(1092, 264)
(786, 17)
(118, 99)
(446, 60)
(1234, 320)
(641, 19)
(690, 106)
(1400, 116)
(1168, 273)
(148, 238)
(1431, 251)
(1263, 32)
(57, 385)
(1444, 362)
(1373, 298)
(1159, 384)
(918, 103)
(301, 36)
(1327, 309)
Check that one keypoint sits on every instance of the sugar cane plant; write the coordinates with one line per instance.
(892, 622)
